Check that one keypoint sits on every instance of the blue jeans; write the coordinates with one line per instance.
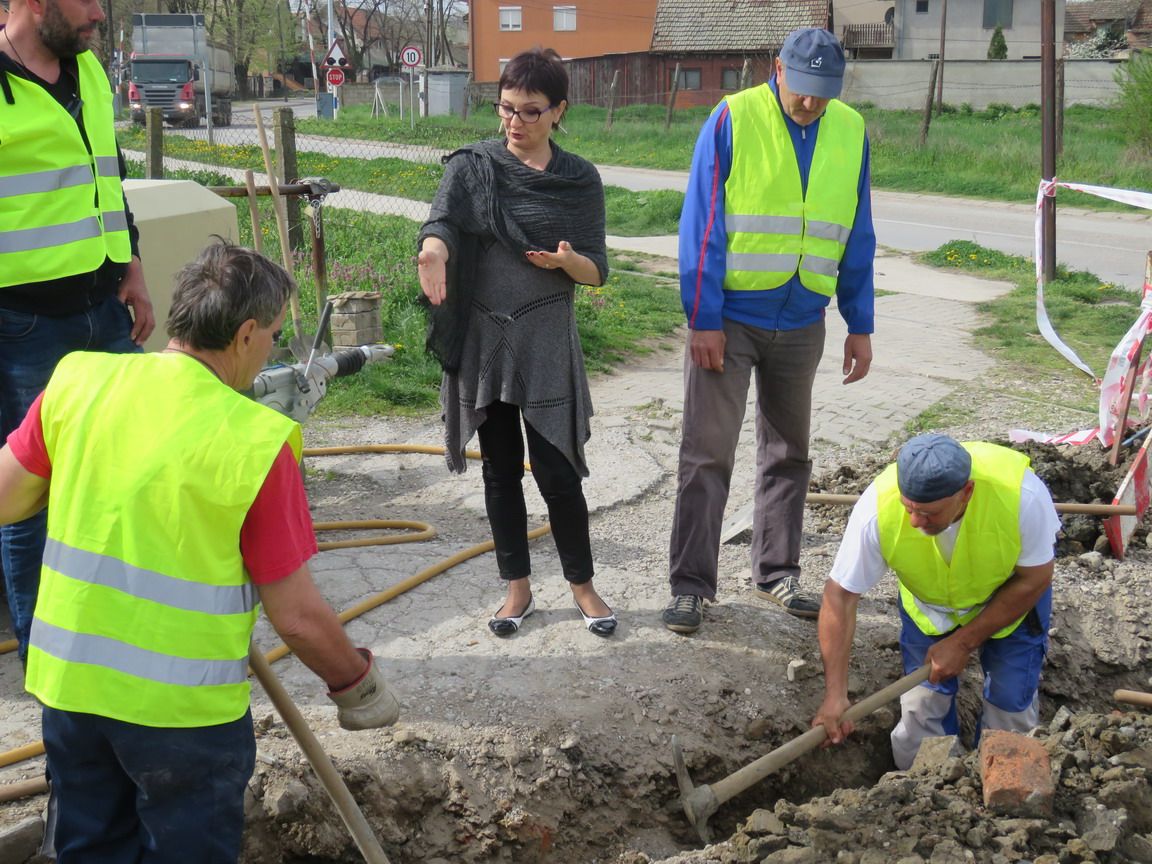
(128, 794)
(30, 347)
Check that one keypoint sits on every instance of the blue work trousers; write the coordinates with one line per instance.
(30, 347)
(129, 794)
(1011, 669)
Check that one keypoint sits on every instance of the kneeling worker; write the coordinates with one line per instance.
(969, 531)
(176, 508)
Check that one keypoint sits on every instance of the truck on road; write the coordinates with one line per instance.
(175, 68)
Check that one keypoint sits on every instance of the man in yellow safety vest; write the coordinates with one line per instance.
(969, 531)
(177, 508)
(70, 272)
(777, 220)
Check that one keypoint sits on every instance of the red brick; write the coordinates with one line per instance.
(1016, 774)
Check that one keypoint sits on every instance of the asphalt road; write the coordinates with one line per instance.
(1113, 245)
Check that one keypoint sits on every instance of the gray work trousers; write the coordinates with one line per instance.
(785, 363)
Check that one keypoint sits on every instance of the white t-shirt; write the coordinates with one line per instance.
(859, 564)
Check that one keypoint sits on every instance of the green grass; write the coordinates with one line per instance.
(1089, 315)
(637, 136)
(993, 154)
(630, 214)
(367, 252)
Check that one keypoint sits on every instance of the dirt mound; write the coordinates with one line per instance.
(1102, 813)
(1072, 474)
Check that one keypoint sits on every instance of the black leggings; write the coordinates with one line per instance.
(502, 448)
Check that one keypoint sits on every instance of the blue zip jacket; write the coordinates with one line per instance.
(704, 244)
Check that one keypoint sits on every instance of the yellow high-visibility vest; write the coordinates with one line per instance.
(61, 205)
(939, 596)
(145, 608)
(774, 229)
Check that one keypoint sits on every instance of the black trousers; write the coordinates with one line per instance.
(502, 448)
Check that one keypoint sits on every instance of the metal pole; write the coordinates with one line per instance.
(940, 71)
(331, 23)
(1048, 133)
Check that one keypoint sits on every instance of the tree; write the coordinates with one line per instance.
(1135, 100)
(998, 47)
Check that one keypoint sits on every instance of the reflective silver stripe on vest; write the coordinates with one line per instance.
(821, 266)
(763, 224)
(828, 231)
(943, 618)
(109, 572)
(28, 239)
(122, 657)
(107, 166)
(761, 262)
(115, 220)
(45, 181)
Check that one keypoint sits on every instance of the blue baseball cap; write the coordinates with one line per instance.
(814, 61)
(930, 467)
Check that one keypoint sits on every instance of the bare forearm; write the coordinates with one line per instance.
(308, 626)
(582, 269)
(1014, 599)
(836, 629)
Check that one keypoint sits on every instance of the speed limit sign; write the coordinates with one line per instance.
(410, 56)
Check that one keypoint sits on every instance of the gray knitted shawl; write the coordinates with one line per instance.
(518, 337)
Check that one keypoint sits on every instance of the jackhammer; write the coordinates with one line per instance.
(296, 390)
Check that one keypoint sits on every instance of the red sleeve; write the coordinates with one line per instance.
(277, 538)
(27, 442)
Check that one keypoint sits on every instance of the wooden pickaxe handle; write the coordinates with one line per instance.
(1133, 697)
(753, 773)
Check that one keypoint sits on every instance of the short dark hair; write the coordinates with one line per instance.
(222, 288)
(538, 70)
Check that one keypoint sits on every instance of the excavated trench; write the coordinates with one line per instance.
(509, 787)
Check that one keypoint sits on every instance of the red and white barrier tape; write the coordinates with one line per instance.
(1124, 355)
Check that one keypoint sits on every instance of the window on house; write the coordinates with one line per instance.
(997, 13)
(503, 61)
(511, 18)
(689, 79)
(921, 7)
(730, 79)
(563, 17)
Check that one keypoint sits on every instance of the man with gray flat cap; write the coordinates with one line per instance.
(777, 220)
(969, 531)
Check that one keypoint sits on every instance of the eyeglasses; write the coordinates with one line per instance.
(526, 115)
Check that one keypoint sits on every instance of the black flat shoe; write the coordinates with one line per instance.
(510, 624)
(604, 626)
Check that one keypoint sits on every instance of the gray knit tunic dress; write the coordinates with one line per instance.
(521, 346)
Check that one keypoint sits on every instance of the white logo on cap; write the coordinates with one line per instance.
(816, 63)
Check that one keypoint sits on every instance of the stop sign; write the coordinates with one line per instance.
(335, 77)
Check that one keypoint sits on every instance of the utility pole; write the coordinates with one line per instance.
(1048, 133)
(940, 71)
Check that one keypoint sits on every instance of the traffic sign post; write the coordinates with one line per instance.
(336, 71)
(411, 57)
(335, 77)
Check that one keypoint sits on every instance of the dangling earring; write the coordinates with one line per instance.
(560, 126)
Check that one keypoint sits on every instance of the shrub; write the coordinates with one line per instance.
(1134, 79)
(998, 47)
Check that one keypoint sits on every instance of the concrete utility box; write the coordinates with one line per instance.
(447, 90)
(177, 219)
(356, 319)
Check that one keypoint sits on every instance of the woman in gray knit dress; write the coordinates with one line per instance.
(515, 225)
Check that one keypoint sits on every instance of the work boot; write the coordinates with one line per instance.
(788, 594)
(684, 613)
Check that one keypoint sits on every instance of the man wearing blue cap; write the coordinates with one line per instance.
(777, 220)
(969, 531)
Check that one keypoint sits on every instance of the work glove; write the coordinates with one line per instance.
(366, 703)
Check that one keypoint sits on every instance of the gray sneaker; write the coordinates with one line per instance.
(684, 613)
(788, 594)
